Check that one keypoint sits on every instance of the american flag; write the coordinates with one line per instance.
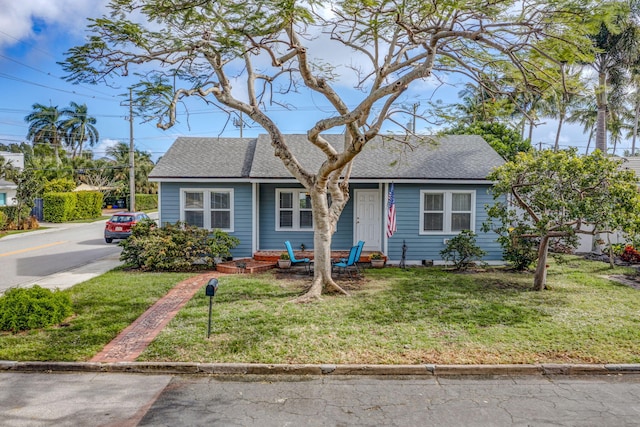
(391, 217)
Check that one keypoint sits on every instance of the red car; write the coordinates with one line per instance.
(119, 226)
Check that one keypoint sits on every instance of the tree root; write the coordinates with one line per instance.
(314, 293)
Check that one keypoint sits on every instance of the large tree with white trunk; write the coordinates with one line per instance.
(243, 57)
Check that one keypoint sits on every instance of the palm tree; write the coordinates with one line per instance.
(143, 166)
(44, 127)
(560, 99)
(585, 113)
(79, 128)
(618, 48)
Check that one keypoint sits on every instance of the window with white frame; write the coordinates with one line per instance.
(445, 212)
(293, 210)
(3, 199)
(211, 208)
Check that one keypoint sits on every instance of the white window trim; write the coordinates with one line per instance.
(207, 205)
(296, 210)
(447, 210)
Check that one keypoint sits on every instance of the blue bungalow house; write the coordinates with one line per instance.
(239, 186)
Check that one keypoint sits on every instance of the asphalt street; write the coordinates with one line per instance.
(109, 399)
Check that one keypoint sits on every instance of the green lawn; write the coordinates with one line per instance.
(104, 306)
(416, 316)
(422, 315)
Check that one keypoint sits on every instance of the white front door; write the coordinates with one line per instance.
(368, 219)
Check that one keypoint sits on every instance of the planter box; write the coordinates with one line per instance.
(377, 263)
(284, 263)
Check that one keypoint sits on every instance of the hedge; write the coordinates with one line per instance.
(62, 207)
(88, 205)
(59, 207)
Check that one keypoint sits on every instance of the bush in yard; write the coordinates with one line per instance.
(519, 248)
(630, 255)
(177, 247)
(220, 244)
(462, 250)
(31, 308)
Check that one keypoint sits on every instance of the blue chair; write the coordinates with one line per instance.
(350, 264)
(294, 261)
(360, 245)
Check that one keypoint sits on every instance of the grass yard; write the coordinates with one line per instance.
(421, 315)
(104, 306)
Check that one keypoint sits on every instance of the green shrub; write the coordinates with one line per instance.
(462, 250)
(221, 243)
(31, 308)
(3, 220)
(13, 213)
(88, 204)
(178, 247)
(59, 207)
(146, 202)
(59, 185)
(520, 251)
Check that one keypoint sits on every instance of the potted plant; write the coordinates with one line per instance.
(377, 261)
(284, 261)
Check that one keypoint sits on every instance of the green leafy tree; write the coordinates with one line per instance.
(192, 48)
(506, 141)
(29, 187)
(559, 195)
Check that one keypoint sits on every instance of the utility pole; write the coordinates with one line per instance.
(132, 172)
(239, 123)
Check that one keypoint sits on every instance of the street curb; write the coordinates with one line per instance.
(429, 370)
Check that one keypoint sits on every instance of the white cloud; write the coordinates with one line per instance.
(18, 17)
(101, 148)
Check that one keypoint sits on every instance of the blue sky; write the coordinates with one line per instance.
(34, 34)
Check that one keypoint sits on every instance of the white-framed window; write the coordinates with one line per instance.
(3, 199)
(207, 208)
(293, 210)
(446, 212)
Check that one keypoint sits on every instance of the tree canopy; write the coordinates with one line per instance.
(558, 195)
(244, 57)
(507, 142)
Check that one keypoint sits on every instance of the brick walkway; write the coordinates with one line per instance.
(134, 339)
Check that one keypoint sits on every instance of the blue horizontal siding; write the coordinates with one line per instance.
(243, 210)
(428, 247)
(407, 196)
(270, 239)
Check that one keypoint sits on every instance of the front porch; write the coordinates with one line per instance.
(273, 256)
(266, 260)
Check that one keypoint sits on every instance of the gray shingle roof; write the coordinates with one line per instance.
(206, 158)
(455, 157)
